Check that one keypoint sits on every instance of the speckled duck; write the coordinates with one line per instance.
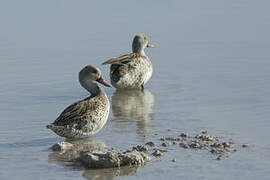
(132, 71)
(85, 117)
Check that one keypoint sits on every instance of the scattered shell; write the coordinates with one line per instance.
(207, 142)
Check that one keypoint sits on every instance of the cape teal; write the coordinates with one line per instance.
(132, 71)
(85, 117)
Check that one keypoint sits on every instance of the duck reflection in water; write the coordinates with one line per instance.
(133, 105)
(68, 158)
(109, 173)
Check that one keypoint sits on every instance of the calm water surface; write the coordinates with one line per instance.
(211, 71)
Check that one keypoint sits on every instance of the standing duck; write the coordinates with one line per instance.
(85, 117)
(132, 71)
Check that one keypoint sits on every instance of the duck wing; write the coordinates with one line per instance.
(123, 59)
(76, 113)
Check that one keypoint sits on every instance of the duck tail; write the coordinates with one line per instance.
(50, 126)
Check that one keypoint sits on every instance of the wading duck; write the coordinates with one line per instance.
(85, 117)
(132, 71)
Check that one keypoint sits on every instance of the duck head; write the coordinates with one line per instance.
(88, 76)
(140, 42)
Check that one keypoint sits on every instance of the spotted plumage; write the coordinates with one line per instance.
(131, 71)
(85, 117)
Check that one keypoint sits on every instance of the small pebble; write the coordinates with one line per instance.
(150, 143)
(204, 132)
(225, 144)
(157, 153)
(173, 160)
(184, 145)
(194, 145)
(161, 150)
(165, 144)
(62, 146)
(183, 135)
(140, 148)
(245, 145)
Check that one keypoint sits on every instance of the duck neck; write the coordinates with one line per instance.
(138, 50)
(91, 87)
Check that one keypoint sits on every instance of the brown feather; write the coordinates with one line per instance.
(75, 112)
(123, 58)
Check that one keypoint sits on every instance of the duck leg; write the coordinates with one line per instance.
(142, 87)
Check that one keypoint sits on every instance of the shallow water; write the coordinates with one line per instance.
(211, 72)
